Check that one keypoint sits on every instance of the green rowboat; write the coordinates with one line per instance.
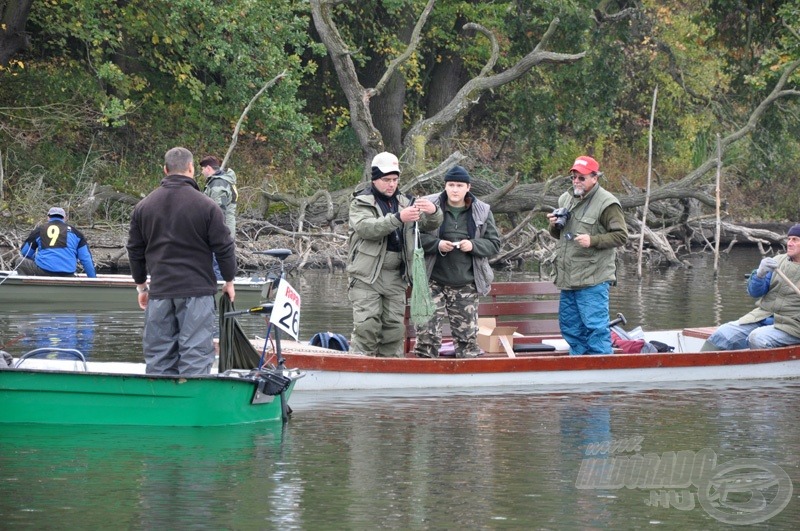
(109, 393)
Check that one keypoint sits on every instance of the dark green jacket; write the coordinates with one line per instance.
(369, 231)
(457, 268)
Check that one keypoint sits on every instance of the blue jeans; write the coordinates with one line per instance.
(583, 318)
(733, 336)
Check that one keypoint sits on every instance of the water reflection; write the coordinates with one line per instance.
(439, 460)
(59, 330)
(156, 478)
(483, 460)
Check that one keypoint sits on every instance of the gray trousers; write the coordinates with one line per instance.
(378, 311)
(28, 267)
(178, 336)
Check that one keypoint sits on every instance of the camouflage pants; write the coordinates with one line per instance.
(461, 305)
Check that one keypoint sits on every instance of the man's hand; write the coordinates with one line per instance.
(425, 206)
(584, 240)
(445, 246)
(143, 295)
(409, 214)
(767, 264)
(228, 288)
(465, 246)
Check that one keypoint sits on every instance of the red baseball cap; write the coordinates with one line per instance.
(585, 165)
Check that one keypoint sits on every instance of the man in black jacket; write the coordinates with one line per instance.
(173, 235)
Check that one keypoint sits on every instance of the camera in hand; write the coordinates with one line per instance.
(562, 215)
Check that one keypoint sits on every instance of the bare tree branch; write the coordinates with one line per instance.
(438, 171)
(489, 66)
(357, 97)
(238, 127)
(402, 58)
(469, 95)
(777, 92)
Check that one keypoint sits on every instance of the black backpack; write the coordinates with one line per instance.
(661, 347)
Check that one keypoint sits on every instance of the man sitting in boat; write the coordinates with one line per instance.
(775, 322)
(53, 249)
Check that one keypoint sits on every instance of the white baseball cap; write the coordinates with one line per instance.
(387, 163)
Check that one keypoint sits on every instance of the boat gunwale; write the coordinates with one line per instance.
(356, 363)
(294, 374)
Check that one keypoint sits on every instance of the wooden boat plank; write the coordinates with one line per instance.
(702, 332)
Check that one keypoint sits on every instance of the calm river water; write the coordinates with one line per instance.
(491, 459)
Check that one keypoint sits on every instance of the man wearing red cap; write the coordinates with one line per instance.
(589, 225)
(775, 322)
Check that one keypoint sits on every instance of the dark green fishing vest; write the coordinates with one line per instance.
(578, 267)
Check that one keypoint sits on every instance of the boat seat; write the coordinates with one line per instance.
(531, 307)
(702, 332)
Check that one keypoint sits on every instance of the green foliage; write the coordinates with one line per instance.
(121, 83)
(108, 86)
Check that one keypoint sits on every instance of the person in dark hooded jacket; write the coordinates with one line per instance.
(172, 235)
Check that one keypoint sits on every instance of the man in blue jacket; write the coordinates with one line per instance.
(53, 249)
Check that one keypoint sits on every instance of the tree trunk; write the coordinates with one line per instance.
(387, 112)
(447, 77)
(13, 39)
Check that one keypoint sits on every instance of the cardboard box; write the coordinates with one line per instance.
(493, 338)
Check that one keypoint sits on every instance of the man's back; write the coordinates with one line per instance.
(174, 231)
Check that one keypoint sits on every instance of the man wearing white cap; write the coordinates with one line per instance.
(380, 251)
(53, 249)
(589, 225)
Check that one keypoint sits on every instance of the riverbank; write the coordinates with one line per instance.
(324, 251)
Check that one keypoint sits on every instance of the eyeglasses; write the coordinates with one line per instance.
(581, 178)
(389, 180)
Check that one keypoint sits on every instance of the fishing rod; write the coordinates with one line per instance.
(264, 308)
(5, 277)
